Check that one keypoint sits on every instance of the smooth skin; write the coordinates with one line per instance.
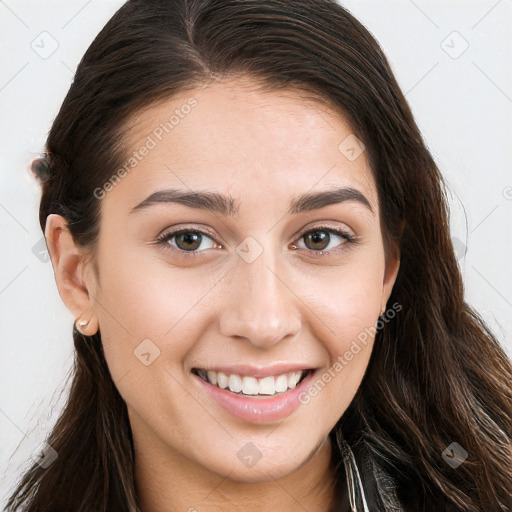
(214, 308)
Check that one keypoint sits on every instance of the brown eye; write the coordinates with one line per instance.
(319, 239)
(186, 241)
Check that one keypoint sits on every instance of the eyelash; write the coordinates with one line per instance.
(163, 240)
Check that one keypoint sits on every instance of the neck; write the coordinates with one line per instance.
(168, 482)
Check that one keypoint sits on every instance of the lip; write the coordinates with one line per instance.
(257, 410)
(247, 370)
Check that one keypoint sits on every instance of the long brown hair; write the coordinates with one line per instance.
(437, 375)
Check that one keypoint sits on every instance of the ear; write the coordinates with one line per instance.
(390, 274)
(70, 268)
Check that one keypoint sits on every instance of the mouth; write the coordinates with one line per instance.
(256, 395)
(251, 386)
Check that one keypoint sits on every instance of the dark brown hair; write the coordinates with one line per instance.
(437, 375)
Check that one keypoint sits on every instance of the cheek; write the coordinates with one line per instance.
(141, 299)
(348, 299)
(349, 307)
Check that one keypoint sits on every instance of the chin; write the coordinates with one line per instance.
(250, 465)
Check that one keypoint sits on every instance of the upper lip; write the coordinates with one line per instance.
(257, 371)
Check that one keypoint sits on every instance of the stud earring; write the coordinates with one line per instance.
(81, 325)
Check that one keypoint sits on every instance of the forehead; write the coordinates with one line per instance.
(236, 137)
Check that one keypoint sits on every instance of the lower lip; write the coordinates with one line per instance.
(257, 410)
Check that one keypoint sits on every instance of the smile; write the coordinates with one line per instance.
(251, 386)
(255, 396)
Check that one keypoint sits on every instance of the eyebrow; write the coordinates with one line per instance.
(228, 207)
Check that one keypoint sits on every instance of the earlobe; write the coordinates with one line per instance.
(68, 261)
(87, 325)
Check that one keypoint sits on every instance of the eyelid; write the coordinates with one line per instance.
(171, 233)
(326, 227)
(349, 239)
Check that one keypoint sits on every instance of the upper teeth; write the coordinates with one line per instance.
(251, 385)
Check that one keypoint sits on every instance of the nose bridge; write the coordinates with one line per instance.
(261, 307)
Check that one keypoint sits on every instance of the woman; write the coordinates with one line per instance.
(268, 369)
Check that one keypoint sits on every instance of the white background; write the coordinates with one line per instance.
(463, 106)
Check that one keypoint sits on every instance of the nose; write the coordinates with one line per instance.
(261, 306)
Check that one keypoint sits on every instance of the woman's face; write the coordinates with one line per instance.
(244, 297)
